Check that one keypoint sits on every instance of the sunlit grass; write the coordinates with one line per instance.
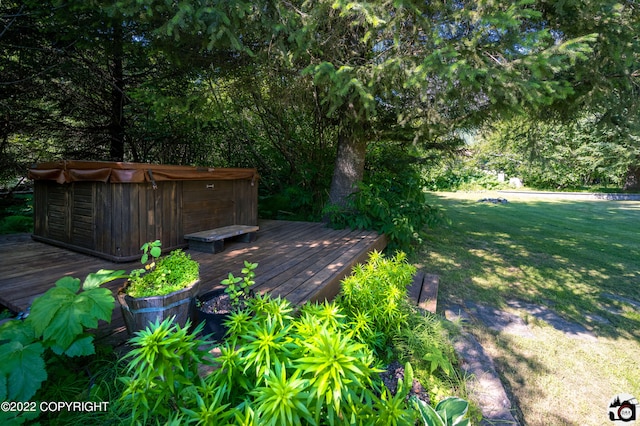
(562, 255)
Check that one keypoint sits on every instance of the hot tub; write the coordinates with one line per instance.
(109, 209)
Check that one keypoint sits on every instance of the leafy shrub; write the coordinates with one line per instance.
(163, 370)
(275, 369)
(57, 323)
(391, 199)
(395, 205)
(460, 175)
(162, 275)
(374, 299)
(425, 343)
(87, 378)
(16, 214)
(295, 202)
(302, 370)
(317, 367)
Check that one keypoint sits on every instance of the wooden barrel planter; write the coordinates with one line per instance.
(138, 312)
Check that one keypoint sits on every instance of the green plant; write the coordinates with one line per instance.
(87, 378)
(163, 372)
(238, 287)
(16, 224)
(153, 249)
(425, 341)
(392, 199)
(375, 297)
(282, 400)
(393, 409)
(161, 275)
(16, 214)
(276, 369)
(57, 322)
(314, 367)
(451, 411)
(306, 368)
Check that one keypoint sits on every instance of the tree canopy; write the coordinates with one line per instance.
(414, 70)
(301, 89)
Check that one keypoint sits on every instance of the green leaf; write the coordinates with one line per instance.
(96, 279)
(22, 369)
(81, 347)
(18, 417)
(45, 307)
(429, 416)
(155, 252)
(17, 331)
(59, 315)
(454, 410)
(70, 283)
(101, 304)
(65, 326)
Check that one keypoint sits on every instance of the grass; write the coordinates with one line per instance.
(570, 256)
(16, 214)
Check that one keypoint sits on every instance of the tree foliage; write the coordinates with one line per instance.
(556, 155)
(300, 89)
(429, 67)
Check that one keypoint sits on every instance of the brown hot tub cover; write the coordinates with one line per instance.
(121, 172)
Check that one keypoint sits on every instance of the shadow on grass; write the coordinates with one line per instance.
(571, 266)
(522, 392)
(567, 256)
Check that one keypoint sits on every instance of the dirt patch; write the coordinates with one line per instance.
(395, 373)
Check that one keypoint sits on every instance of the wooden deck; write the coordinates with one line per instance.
(301, 261)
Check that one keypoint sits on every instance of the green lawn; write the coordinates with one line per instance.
(570, 256)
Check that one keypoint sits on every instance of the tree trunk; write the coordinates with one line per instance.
(633, 179)
(349, 166)
(117, 121)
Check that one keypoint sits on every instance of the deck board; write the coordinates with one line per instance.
(301, 261)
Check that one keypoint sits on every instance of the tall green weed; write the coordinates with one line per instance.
(375, 296)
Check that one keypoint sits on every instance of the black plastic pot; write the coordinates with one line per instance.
(213, 322)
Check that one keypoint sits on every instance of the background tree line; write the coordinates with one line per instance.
(323, 97)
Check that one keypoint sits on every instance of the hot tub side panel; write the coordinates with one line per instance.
(217, 203)
(64, 213)
(246, 194)
(131, 214)
(207, 205)
(108, 220)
